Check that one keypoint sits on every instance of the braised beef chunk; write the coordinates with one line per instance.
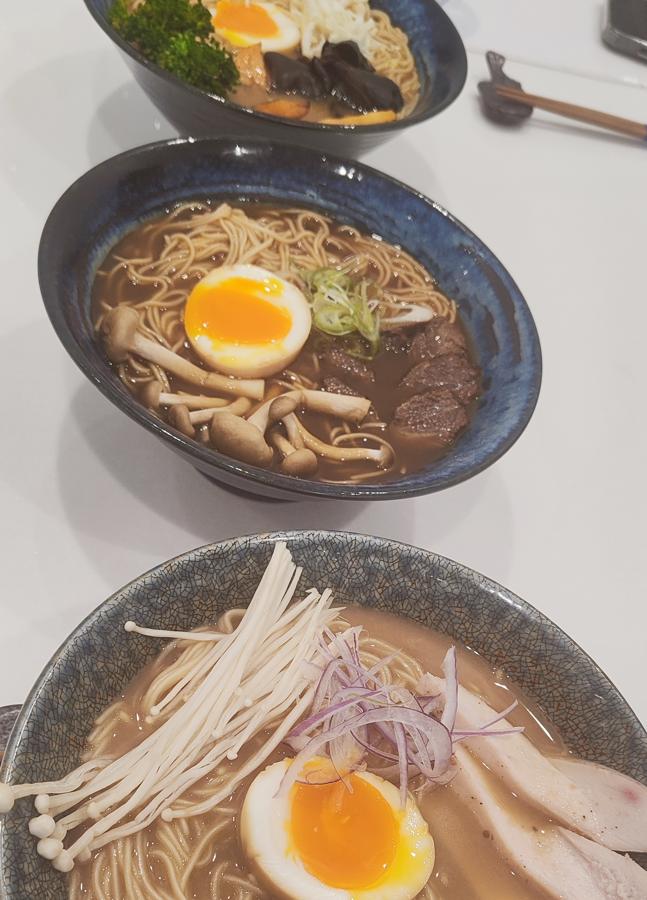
(396, 342)
(337, 386)
(349, 369)
(435, 415)
(437, 338)
(452, 372)
(293, 76)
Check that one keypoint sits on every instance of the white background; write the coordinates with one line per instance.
(89, 500)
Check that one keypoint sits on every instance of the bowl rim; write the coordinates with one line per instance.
(313, 127)
(486, 584)
(206, 457)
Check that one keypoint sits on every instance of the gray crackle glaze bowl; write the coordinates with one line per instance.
(436, 46)
(112, 198)
(99, 658)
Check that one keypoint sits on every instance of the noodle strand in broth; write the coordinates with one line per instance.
(153, 273)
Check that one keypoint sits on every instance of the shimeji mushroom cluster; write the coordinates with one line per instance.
(252, 680)
(254, 438)
(247, 439)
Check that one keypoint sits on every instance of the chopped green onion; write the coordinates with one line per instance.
(342, 307)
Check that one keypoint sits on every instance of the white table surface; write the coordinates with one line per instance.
(89, 500)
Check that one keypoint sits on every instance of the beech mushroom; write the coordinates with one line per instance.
(120, 337)
(350, 408)
(281, 407)
(241, 439)
(238, 408)
(294, 435)
(185, 421)
(295, 461)
(153, 397)
(353, 409)
(380, 456)
(300, 463)
(180, 418)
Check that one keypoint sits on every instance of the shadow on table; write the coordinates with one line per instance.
(120, 486)
(124, 119)
(56, 110)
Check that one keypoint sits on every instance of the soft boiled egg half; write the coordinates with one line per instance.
(243, 320)
(326, 842)
(244, 23)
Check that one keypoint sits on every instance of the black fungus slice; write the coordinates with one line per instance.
(347, 52)
(342, 72)
(351, 79)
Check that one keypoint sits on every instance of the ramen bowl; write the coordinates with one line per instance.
(435, 44)
(111, 199)
(96, 662)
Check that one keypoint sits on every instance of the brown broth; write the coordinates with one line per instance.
(388, 367)
(467, 865)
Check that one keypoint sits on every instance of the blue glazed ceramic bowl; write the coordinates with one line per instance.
(436, 46)
(99, 658)
(112, 198)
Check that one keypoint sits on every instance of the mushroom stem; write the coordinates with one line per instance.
(193, 401)
(261, 417)
(153, 397)
(342, 454)
(238, 408)
(296, 461)
(120, 338)
(294, 435)
(353, 409)
(281, 443)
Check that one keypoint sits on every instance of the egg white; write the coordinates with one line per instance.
(255, 360)
(265, 836)
(288, 37)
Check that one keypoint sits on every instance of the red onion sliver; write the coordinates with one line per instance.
(449, 668)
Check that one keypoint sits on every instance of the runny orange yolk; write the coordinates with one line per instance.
(248, 19)
(237, 311)
(345, 839)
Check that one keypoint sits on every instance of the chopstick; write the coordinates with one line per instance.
(572, 111)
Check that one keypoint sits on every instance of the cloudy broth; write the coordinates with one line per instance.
(467, 865)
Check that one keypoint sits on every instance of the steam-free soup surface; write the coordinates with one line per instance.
(201, 858)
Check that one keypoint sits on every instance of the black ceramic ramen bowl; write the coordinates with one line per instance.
(98, 660)
(436, 46)
(111, 199)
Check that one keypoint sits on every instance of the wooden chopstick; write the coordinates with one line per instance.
(572, 111)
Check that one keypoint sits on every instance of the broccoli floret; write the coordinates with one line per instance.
(200, 63)
(119, 15)
(177, 35)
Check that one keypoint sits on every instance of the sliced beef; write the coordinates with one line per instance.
(438, 338)
(452, 372)
(435, 415)
(339, 364)
(396, 342)
(337, 386)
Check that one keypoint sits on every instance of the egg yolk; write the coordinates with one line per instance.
(237, 311)
(248, 19)
(346, 839)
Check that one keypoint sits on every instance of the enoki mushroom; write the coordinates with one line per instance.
(250, 681)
